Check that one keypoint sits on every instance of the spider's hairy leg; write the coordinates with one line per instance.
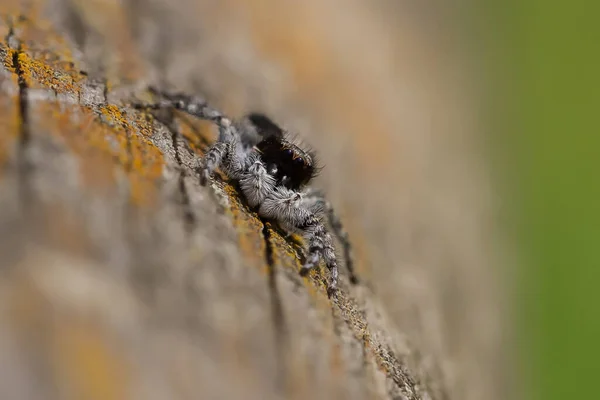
(320, 245)
(193, 105)
(316, 201)
(226, 150)
(286, 206)
(212, 160)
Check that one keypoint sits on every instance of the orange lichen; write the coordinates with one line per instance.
(9, 115)
(102, 144)
(101, 148)
(146, 169)
(44, 57)
(113, 116)
(38, 73)
(197, 133)
(7, 55)
(248, 226)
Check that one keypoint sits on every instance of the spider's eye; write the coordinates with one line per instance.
(288, 153)
(299, 161)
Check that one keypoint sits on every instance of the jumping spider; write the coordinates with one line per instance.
(272, 173)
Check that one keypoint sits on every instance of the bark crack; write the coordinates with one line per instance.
(24, 130)
(188, 215)
(277, 313)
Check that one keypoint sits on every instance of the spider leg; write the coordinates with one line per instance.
(286, 206)
(227, 150)
(320, 245)
(212, 160)
(192, 105)
(316, 201)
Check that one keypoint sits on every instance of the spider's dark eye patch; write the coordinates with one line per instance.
(294, 166)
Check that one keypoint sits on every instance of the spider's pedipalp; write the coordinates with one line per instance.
(256, 183)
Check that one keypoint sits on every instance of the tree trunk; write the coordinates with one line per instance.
(122, 277)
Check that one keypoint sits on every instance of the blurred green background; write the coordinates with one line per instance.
(544, 66)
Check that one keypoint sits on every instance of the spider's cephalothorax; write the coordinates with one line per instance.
(272, 173)
(291, 166)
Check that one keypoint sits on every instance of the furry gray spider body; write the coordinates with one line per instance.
(272, 173)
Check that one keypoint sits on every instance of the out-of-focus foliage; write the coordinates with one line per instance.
(545, 66)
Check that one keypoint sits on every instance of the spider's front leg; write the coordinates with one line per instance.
(225, 150)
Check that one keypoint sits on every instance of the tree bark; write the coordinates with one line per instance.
(121, 276)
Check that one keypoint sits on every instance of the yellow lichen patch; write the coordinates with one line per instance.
(104, 143)
(7, 55)
(86, 139)
(145, 162)
(40, 40)
(144, 123)
(197, 133)
(44, 57)
(249, 228)
(146, 169)
(38, 73)
(285, 254)
(103, 147)
(9, 115)
(286, 251)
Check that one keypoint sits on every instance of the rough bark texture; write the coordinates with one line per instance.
(123, 278)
